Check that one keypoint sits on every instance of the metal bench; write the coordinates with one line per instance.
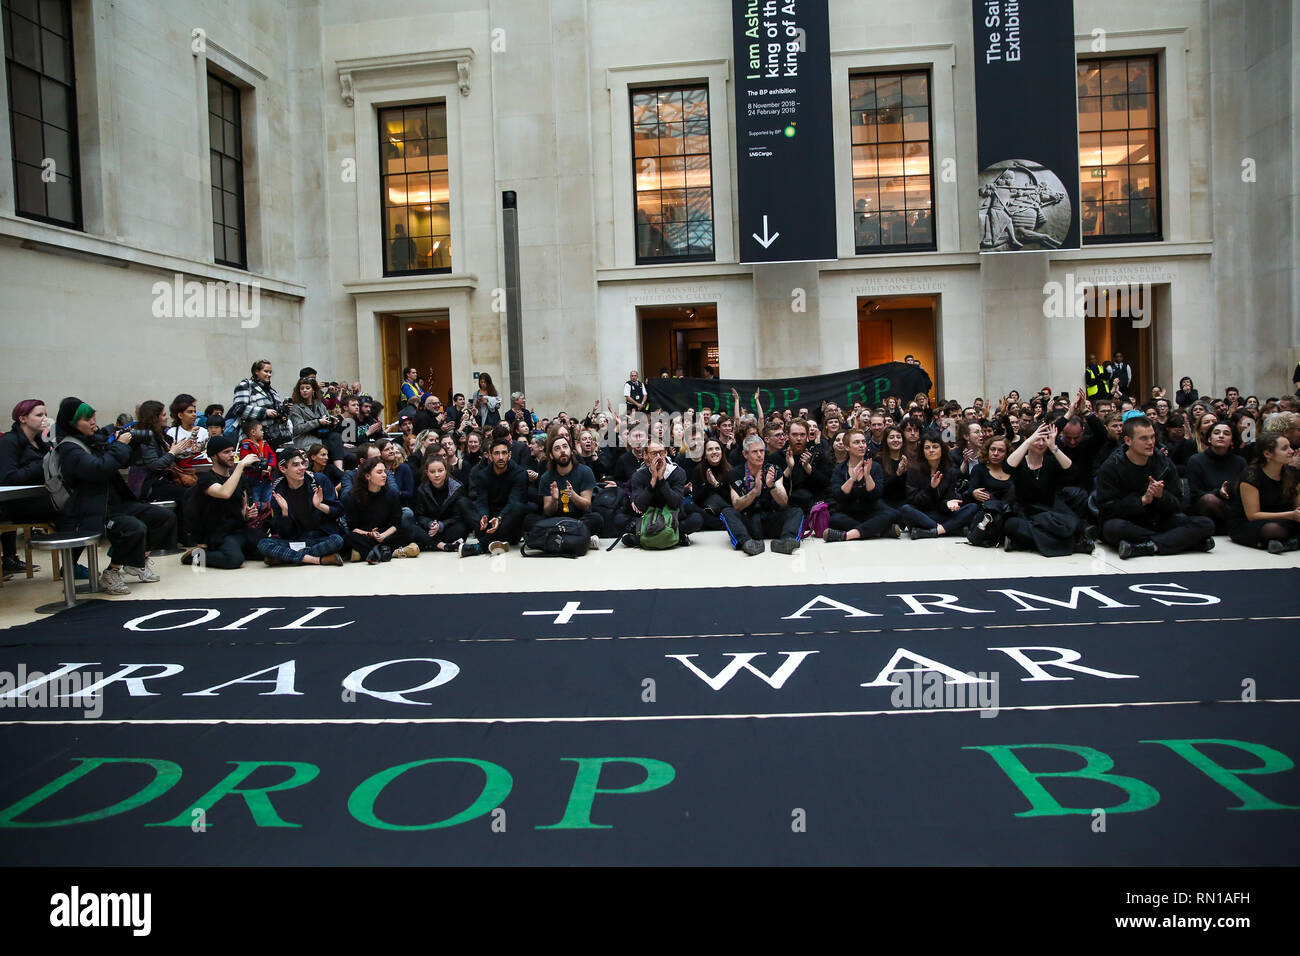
(64, 545)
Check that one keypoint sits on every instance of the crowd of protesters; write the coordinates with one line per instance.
(324, 476)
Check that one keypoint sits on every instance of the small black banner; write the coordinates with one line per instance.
(784, 147)
(1027, 120)
(870, 386)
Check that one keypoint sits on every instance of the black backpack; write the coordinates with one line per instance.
(986, 531)
(612, 504)
(556, 538)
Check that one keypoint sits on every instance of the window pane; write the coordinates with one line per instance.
(31, 191)
(53, 18)
(27, 140)
(26, 43)
(698, 173)
(891, 160)
(864, 161)
(231, 209)
(918, 192)
(234, 250)
(1139, 110)
(671, 173)
(889, 91)
(54, 59)
(218, 242)
(1089, 77)
(915, 90)
(26, 87)
(1139, 76)
(699, 204)
(54, 104)
(916, 123)
(1114, 77)
(1089, 113)
(218, 205)
(890, 125)
(864, 126)
(1114, 112)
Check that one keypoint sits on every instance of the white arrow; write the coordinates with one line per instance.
(764, 240)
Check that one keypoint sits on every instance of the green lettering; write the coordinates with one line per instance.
(1141, 795)
(577, 815)
(497, 783)
(1251, 799)
(857, 391)
(712, 401)
(165, 776)
(882, 390)
(259, 804)
(789, 396)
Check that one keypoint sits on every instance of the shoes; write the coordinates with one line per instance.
(1276, 546)
(630, 540)
(683, 541)
(470, 549)
(1136, 549)
(16, 565)
(112, 582)
(918, 533)
(1008, 544)
(1092, 533)
(1292, 544)
(785, 545)
(498, 547)
(274, 562)
(411, 550)
(188, 557)
(332, 560)
(1207, 545)
(752, 547)
(833, 535)
(894, 532)
(1085, 546)
(145, 574)
(594, 543)
(374, 557)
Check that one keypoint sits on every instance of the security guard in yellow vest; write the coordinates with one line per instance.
(1096, 380)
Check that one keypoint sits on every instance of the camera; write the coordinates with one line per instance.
(255, 467)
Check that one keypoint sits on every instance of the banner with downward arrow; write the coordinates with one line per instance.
(785, 160)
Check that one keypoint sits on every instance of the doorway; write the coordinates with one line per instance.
(892, 328)
(679, 338)
(420, 339)
(1122, 319)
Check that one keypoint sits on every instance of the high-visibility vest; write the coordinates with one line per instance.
(1095, 377)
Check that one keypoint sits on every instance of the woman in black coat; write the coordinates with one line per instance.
(22, 457)
(441, 508)
(934, 506)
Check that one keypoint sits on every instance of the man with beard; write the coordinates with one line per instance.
(498, 499)
(759, 505)
(806, 471)
(566, 488)
(876, 436)
(633, 458)
(660, 482)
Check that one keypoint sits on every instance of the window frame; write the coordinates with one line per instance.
(902, 73)
(380, 140)
(213, 151)
(1157, 133)
(658, 88)
(77, 221)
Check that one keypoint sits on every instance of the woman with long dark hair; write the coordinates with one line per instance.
(1265, 510)
(486, 402)
(709, 484)
(894, 464)
(441, 508)
(934, 506)
(375, 516)
(153, 475)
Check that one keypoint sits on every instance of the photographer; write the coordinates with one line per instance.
(310, 421)
(226, 514)
(256, 401)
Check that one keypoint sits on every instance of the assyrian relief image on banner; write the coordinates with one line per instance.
(1027, 125)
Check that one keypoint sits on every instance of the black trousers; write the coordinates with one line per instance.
(509, 531)
(1171, 533)
(783, 523)
(233, 550)
(594, 522)
(871, 525)
(137, 527)
(362, 544)
(453, 529)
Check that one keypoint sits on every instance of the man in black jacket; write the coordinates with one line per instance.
(759, 505)
(660, 483)
(101, 501)
(224, 510)
(806, 470)
(1137, 495)
(499, 495)
(22, 456)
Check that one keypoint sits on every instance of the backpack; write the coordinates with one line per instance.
(233, 422)
(53, 472)
(986, 531)
(611, 504)
(557, 538)
(819, 519)
(658, 529)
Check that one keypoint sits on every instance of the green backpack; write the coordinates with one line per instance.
(658, 529)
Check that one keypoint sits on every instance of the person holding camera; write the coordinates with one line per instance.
(310, 422)
(226, 515)
(261, 472)
(256, 401)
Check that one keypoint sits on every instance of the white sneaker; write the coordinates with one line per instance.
(594, 544)
(499, 547)
(112, 582)
(146, 574)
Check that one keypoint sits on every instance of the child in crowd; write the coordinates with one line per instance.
(258, 476)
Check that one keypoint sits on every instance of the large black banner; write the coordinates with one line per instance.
(870, 386)
(784, 145)
(1027, 120)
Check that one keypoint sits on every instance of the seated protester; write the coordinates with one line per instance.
(857, 484)
(566, 489)
(709, 488)
(1245, 422)
(894, 465)
(839, 451)
(422, 445)
(471, 458)
(832, 425)
(912, 428)
(990, 485)
(303, 509)
(966, 453)
(589, 455)
(184, 413)
(211, 412)
(216, 425)
(661, 483)
(227, 516)
(1211, 476)
(1186, 393)
(634, 457)
(1081, 435)
(22, 458)
(498, 500)
(449, 451)
(374, 513)
(934, 506)
(806, 471)
(1042, 522)
(759, 505)
(310, 422)
(318, 457)
(350, 430)
(521, 437)
(403, 477)
(1114, 442)
(441, 509)
(1265, 510)
(726, 429)
(370, 424)
(1177, 445)
(429, 415)
(876, 435)
(1137, 496)
(153, 474)
(517, 411)
(775, 438)
(260, 476)
(101, 501)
